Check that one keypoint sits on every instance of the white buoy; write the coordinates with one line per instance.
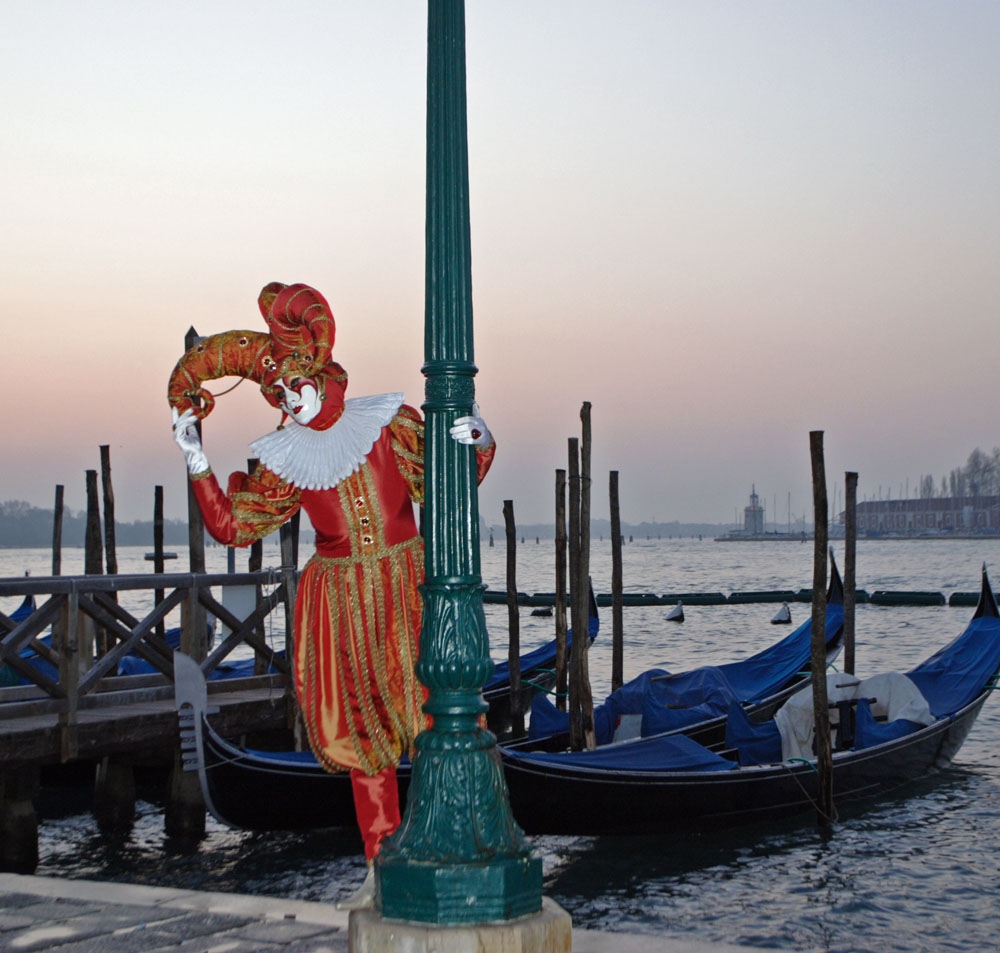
(783, 616)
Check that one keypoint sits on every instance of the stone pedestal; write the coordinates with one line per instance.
(548, 931)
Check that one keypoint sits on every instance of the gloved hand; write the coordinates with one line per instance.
(187, 438)
(471, 430)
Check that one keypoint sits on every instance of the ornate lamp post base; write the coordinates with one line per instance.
(458, 855)
(502, 889)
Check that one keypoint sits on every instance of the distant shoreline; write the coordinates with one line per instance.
(808, 537)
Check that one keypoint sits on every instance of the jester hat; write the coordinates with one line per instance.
(298, 343)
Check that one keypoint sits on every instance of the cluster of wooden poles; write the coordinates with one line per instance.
(573, 691)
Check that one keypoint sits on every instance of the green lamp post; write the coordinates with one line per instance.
(458, 856)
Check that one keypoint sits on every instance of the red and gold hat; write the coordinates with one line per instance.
(299, 344)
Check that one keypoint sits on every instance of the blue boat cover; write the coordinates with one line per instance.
(953, 676)
(663, 753)
(684, 699)
(669, 702)
(765, 673)
(754, 743)
(869, 732)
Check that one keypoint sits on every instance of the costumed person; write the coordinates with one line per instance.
(356, 467)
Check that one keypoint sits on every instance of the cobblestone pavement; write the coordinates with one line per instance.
(72, 916)
(87, 916)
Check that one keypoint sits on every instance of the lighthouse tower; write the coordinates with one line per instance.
(753, 515)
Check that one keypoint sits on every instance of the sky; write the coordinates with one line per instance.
(724, 224)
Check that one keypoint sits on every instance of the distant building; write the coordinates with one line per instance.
(928, 517)
(753, 515)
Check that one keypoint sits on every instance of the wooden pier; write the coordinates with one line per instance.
(73, 706)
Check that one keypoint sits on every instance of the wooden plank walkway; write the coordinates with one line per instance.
(136, 726)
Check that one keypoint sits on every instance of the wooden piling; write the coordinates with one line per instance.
(850, 564)
(581, 705)
(158, 560)
(514, 624)
(57, 521)
(617, 623)
(581, 608)
(255, 562)
(93, 555)
(104, 641)
(110, 549)
(821, 712)
(114, 796)
(288, 538)
(561, 590)
(573, 678)
(18, 821)
(70, 636)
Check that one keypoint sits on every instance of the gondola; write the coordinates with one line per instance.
(282, 790)
(697, 701)
(671, 783)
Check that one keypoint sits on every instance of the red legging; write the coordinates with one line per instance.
(376, 803)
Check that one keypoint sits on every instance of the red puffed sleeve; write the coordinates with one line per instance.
(484, 459)
(254, 506)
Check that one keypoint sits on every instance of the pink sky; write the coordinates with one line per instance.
(724, 224)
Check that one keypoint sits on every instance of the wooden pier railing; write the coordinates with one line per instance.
(82, 630)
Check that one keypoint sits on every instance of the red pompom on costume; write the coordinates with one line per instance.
(356, 469)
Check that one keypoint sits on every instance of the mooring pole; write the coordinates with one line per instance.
(158, 594)
(821, 713)
(513, 624)
(562, 627)
(617, 619)
(850, 566)
(458, 857)
(581, 601)
(57, 522)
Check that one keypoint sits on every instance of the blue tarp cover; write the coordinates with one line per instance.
(671, 702)
(766, 672)
(956, 674)
(684, 699)
(666, 702)
(664, 753)
(869, 732)
(754, 743)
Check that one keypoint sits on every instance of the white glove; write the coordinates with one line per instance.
(187, 438)
(471, 430)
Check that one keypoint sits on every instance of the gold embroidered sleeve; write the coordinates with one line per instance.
(407, 429)
(261, 503)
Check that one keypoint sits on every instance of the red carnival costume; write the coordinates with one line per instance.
(356, 470)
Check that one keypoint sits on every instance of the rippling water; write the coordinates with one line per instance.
(918, 873)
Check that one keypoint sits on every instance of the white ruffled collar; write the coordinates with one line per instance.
(320, 459)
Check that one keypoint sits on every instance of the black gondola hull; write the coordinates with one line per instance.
(254, 792)
(553, 799)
